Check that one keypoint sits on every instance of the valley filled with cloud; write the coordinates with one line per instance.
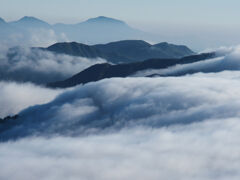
(175, 127)
(94, 100)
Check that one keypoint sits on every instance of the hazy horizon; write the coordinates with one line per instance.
(200, 25)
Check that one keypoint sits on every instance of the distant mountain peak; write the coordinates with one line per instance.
(104, 19)
(31, 20)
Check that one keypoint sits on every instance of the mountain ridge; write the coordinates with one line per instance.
(121, 51)
(102, 71)
(30, 21)
(104, 19)
(92, 31)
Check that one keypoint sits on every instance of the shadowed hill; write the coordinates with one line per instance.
(75, 49)
(102, 71)
(123, 51)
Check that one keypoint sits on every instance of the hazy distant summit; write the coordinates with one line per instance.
(30, 19)
(99, 30)
(103, 19)
(92, 31)
(30, 22)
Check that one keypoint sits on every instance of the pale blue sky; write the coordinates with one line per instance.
(166, 17)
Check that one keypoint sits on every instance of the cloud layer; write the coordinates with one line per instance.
(30, 37)
(116, 103)
(38, 66)
(229, 60)
(207, 150)
(16, 97)
(126, 128)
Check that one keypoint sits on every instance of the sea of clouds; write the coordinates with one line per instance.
(113, 104)
(145, 128)
(127, 128)
(207, 150)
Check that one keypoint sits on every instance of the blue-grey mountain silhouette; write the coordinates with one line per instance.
(92, 31)
(123, 51)
(102, 71)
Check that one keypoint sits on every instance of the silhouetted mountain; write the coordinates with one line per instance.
(30, 22)
(99, 30)
(102, 71)
(123, 51)
(92, 31)
(174, 50)
(103, 19)
(26, 31)
(75, 49)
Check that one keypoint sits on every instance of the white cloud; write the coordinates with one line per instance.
(127, 128)
(206, 150)
(38, 66)
(16, 97)
(45, 37)
(183, 68)
(117, 103)
(31, 37)
(229, 60)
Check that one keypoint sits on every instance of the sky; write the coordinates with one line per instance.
(181, 20)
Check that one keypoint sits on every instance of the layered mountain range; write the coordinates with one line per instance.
(123, 57)
(122, 51)
(92, 31)
(62, 60)
(102, 71)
